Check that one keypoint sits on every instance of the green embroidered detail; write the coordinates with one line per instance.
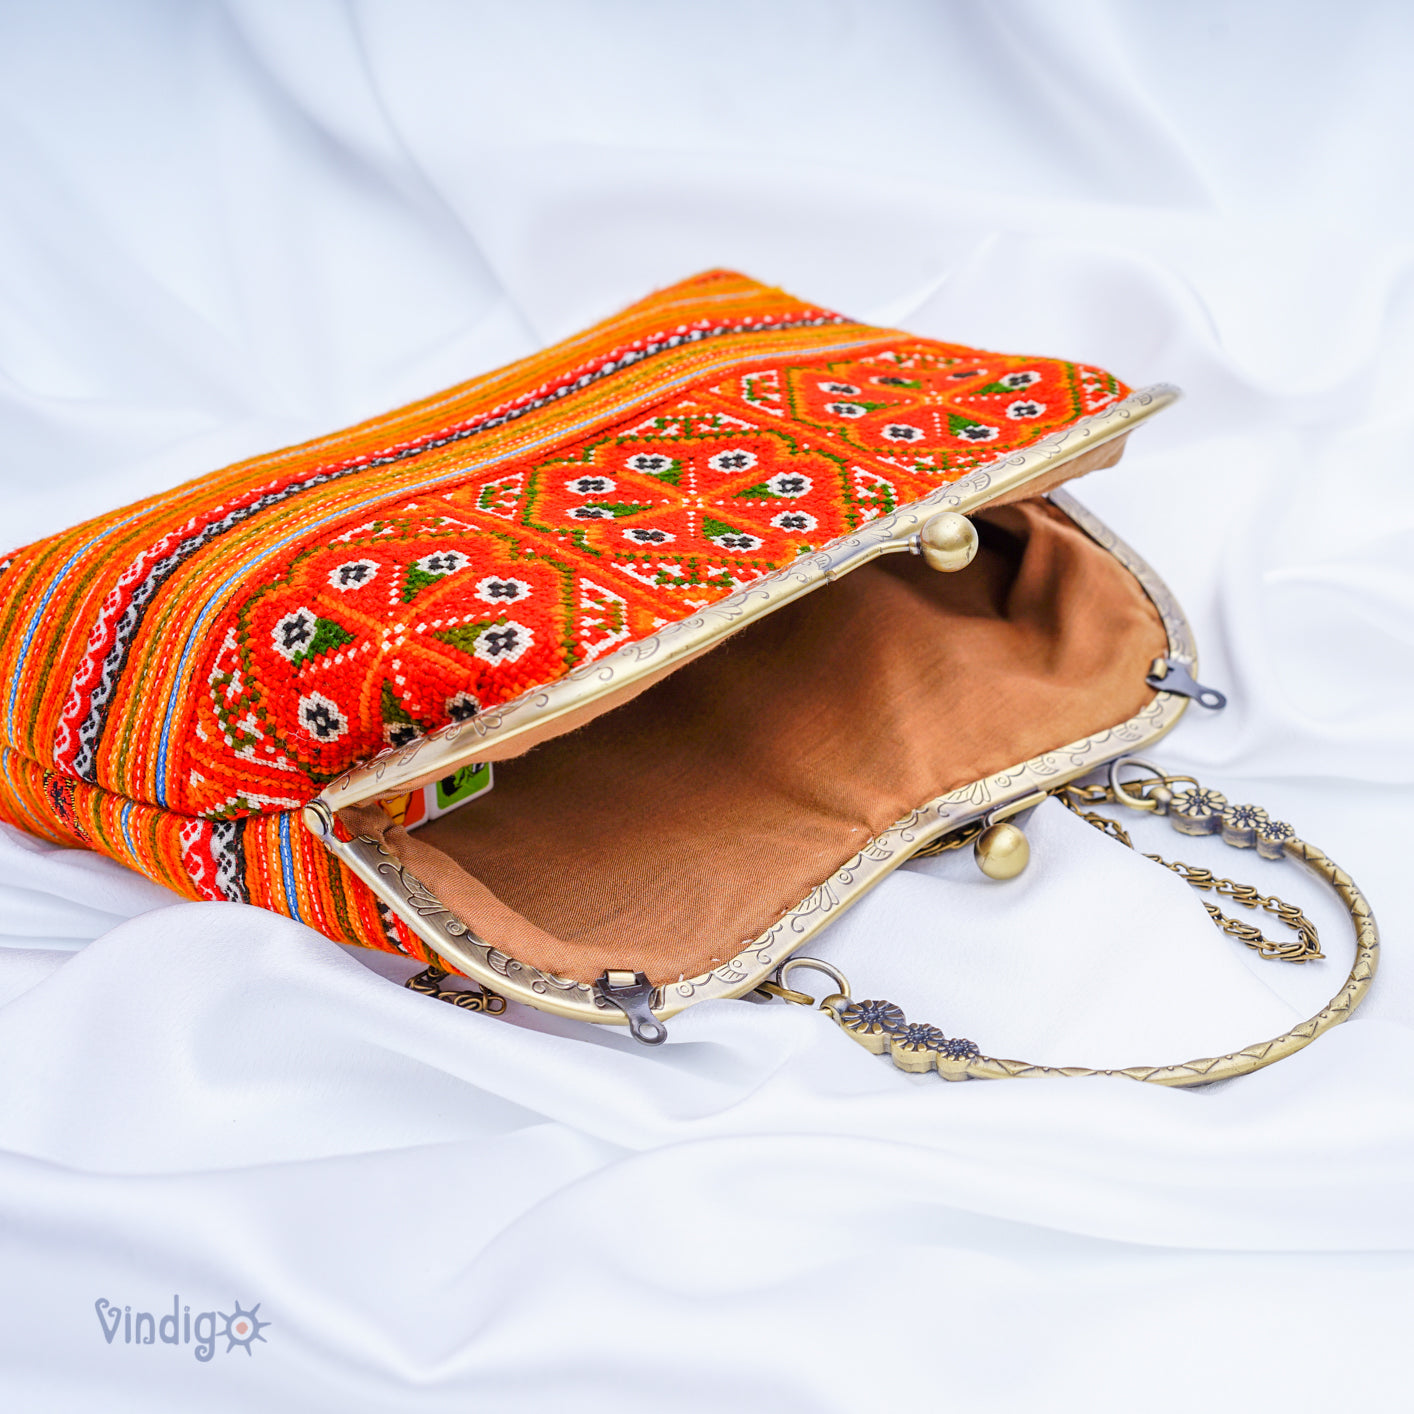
(393, 710)
(327, 637)
(959, 425)
(415, 581)
(464, 636)
(670, 474)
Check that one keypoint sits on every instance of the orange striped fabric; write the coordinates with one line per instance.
(181, 675)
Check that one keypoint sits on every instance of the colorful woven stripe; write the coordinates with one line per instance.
(182, 673)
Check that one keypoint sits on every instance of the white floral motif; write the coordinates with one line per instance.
(442, 562)
(461, 706)
(903, 432)
(789, 483)
(353, 574)
(502, 643)
(591, 485)
(321, 717)
(293, 634)
(798, 521)
(737, 459)
(1024, 408)
(495, 590)
(846, 409)
(650, 463)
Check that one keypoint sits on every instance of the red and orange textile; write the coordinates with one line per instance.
(182, 675)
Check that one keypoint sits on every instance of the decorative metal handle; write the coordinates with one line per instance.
(881, 1026)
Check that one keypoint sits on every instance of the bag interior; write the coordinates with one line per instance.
(664, 834)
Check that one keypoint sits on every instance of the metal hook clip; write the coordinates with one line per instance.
(633, 994)
(1173, 675)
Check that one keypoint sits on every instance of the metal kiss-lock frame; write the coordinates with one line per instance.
(993, 798)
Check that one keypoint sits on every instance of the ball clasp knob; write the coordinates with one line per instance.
(1002, 851)
(948, 542)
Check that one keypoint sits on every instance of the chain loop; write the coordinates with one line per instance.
(780, 984)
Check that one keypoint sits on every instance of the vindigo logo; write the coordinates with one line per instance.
(240, 1327)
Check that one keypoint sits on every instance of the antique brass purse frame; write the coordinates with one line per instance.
(992, 799)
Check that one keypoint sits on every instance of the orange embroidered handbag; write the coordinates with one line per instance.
(597, 679)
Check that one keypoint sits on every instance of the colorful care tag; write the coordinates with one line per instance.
(440, 797)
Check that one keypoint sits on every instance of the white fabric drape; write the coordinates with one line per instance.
(227, 227)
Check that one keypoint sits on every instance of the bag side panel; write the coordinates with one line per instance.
(269, 860)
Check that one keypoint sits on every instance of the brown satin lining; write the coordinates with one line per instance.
(666, 833)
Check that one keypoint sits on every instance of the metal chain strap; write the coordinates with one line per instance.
(429, 983)
(1306, 948)
(882, 1027)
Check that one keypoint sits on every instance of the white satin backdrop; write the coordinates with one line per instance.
(228, 227)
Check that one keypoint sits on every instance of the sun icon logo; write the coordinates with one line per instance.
(243, 1327)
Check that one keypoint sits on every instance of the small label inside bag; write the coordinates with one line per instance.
(441, 797)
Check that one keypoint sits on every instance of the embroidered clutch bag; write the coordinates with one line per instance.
(608, 678)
